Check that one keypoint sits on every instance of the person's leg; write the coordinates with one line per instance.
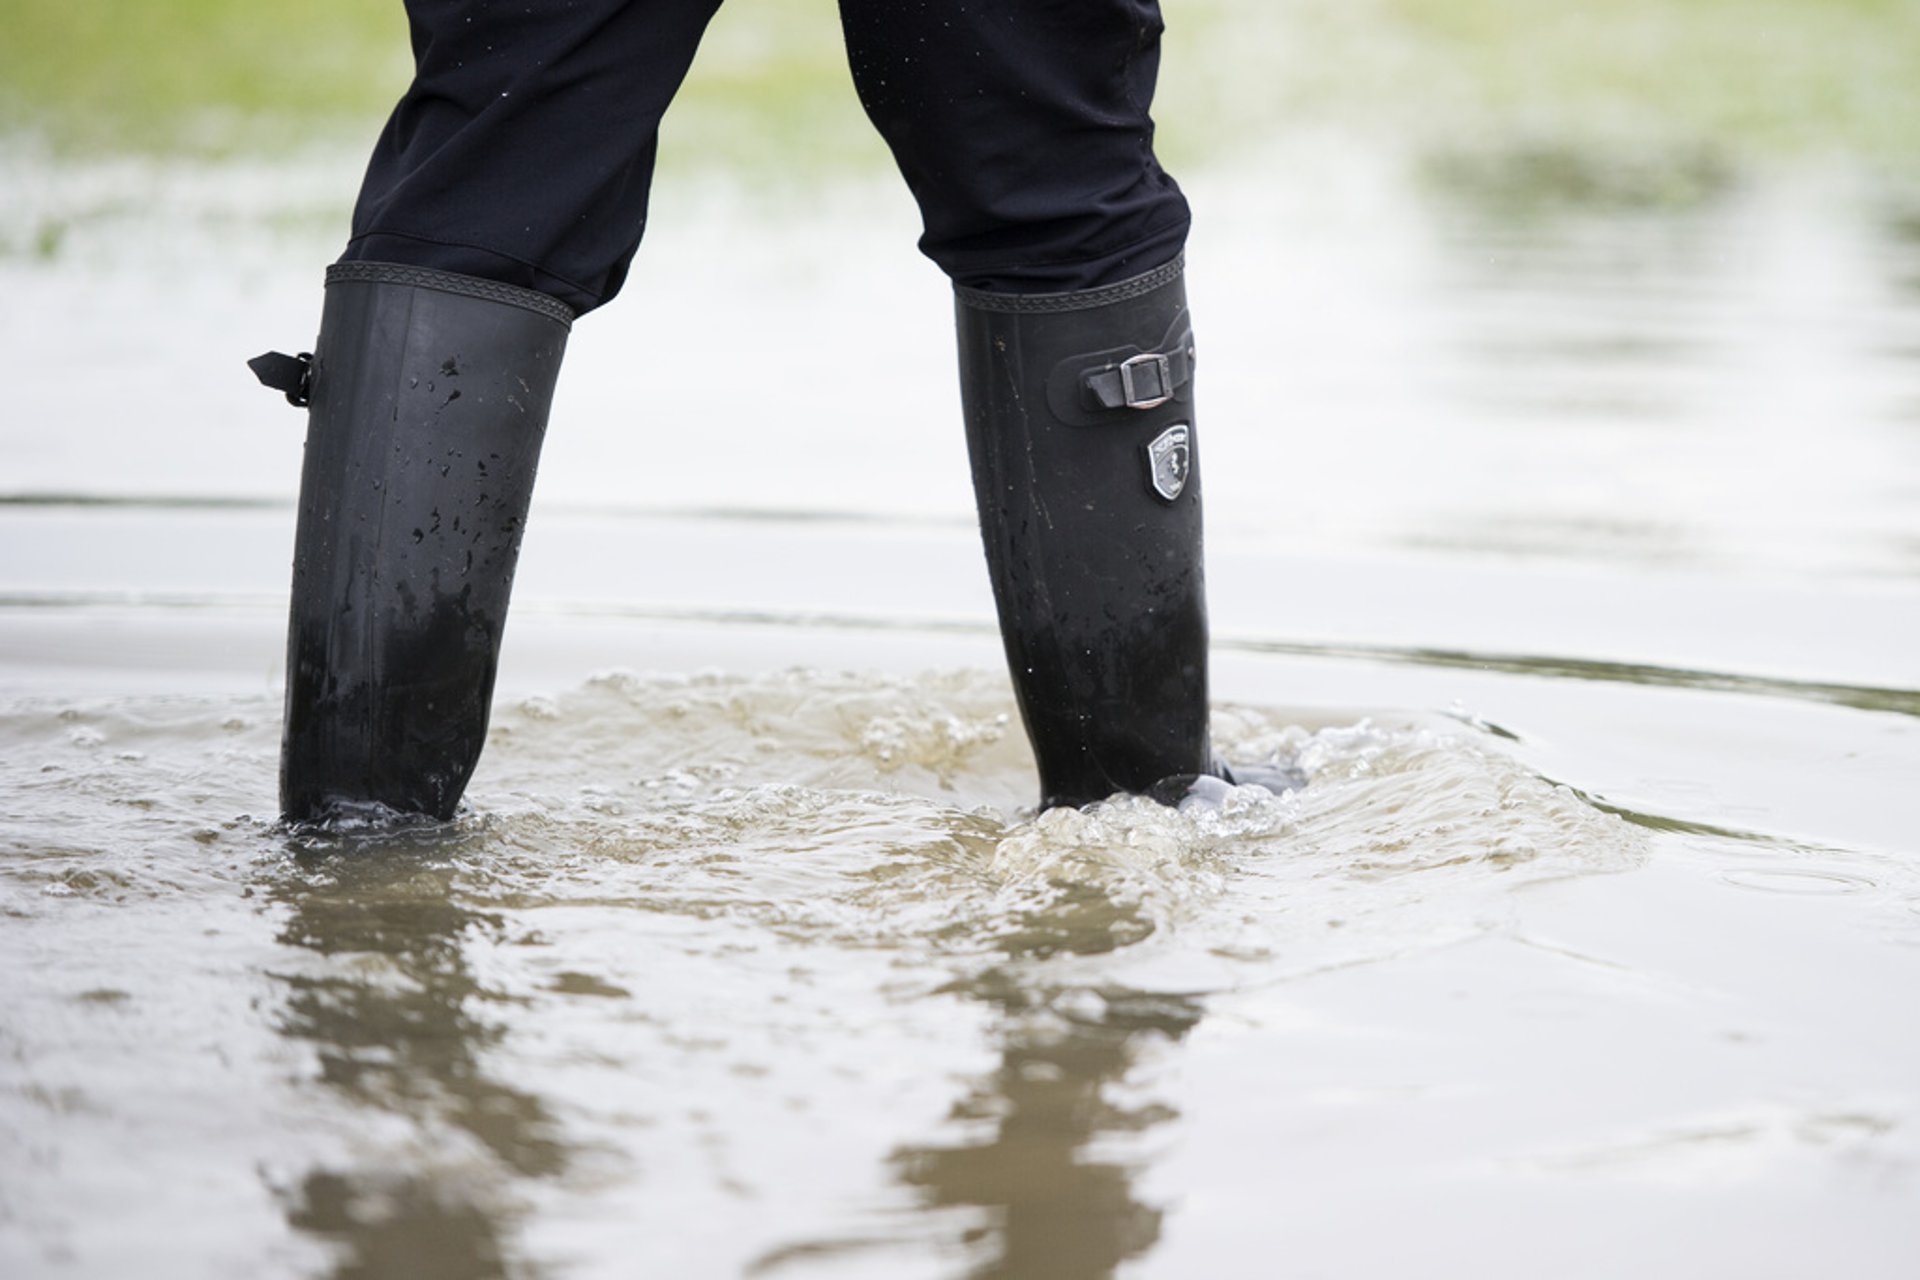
(1022, 129)
(523, 151)
(507, 194)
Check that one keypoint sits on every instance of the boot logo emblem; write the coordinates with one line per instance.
(1168, 459)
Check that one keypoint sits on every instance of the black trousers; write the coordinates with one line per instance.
(524, 149)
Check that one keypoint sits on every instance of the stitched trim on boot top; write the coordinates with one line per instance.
(1078, 300)
(450, 282)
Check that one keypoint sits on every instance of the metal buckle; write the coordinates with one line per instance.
(1160, 384)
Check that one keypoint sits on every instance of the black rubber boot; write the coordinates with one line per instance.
(1079, 416)
(429, 398)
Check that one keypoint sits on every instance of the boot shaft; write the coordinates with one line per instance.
(1080, 430)
(429, 402)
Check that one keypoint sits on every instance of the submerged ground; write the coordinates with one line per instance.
(1562, 450)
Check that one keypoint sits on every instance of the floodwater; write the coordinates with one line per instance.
(1567, 546)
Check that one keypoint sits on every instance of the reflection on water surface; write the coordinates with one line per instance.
(1032, 1160)
(401, 1026)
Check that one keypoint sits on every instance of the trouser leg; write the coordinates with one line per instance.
(523, 150)
(1022, 128)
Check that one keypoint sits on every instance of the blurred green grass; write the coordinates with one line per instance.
(196, 76)
(1781, 76)
(1744, 79)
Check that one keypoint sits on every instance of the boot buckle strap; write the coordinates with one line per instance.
(1145, 380)
(290, 375)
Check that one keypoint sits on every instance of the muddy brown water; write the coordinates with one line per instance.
(1568, 550)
